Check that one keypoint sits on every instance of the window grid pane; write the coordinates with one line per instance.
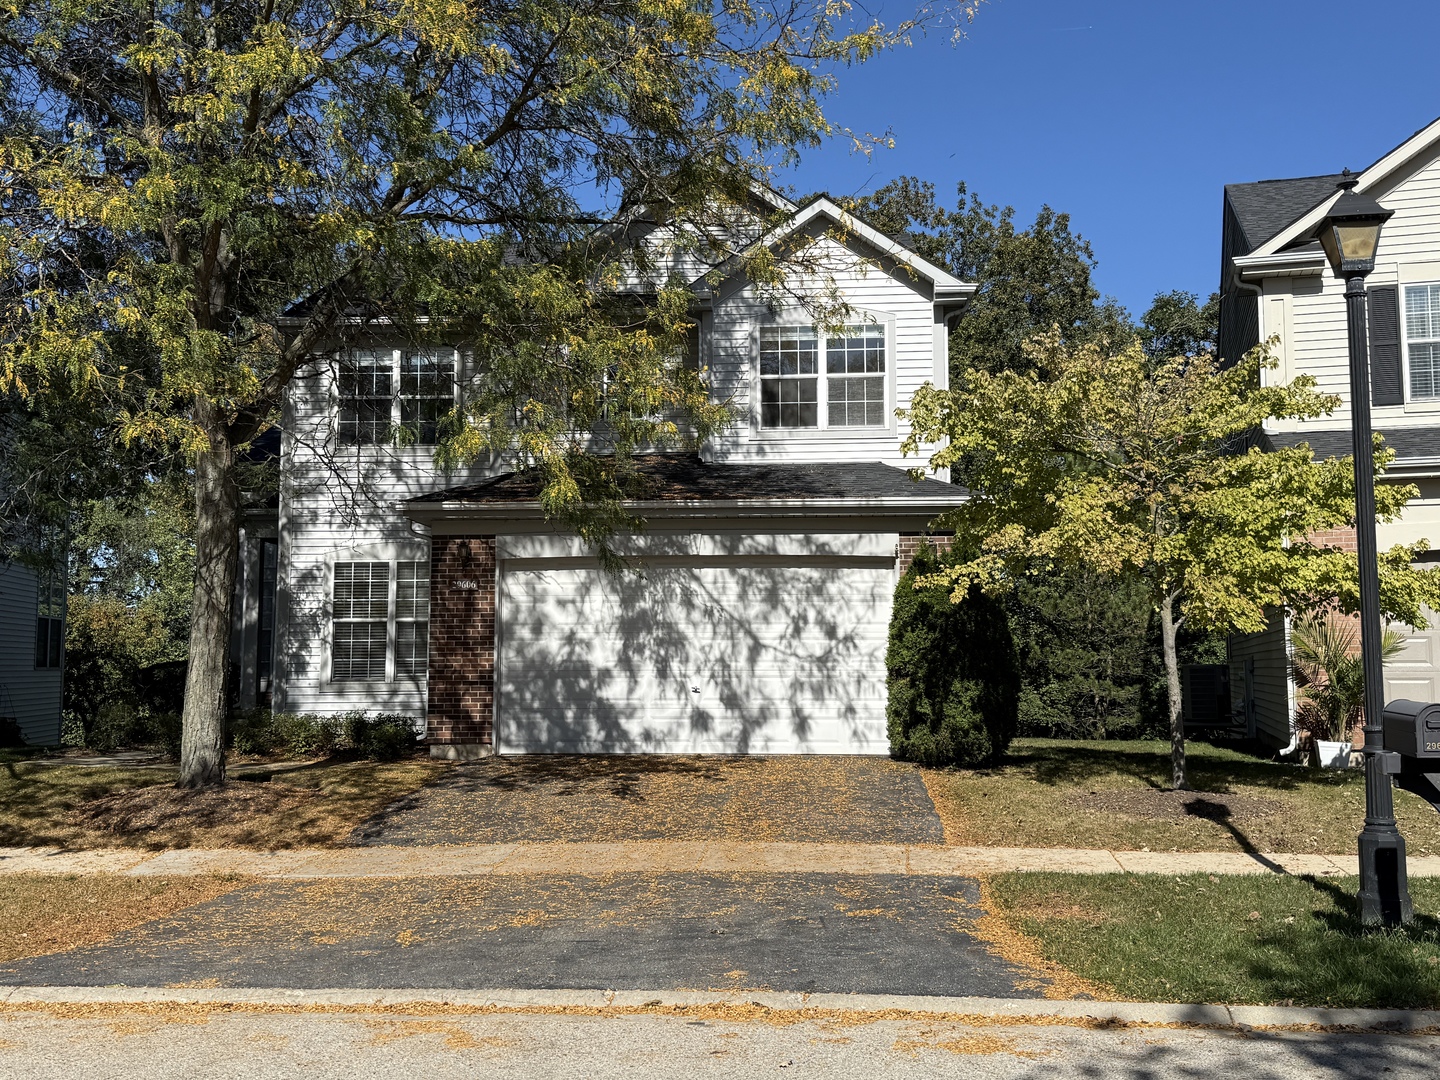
(427, 393)
(785, 400)
(412, 617)
(857, 402)
(359, 651)
(412, 648)
(366, 390)
(1422, 312)
(361, 606)
(858, 350)
(1425, 371)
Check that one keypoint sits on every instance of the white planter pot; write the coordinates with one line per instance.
(1333, 755)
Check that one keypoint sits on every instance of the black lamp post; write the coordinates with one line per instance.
(1350, 234)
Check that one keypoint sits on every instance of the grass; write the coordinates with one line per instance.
(1063, 793)
(77, 807)
(1260, 940)
(43, 913)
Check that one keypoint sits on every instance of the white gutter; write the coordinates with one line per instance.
(1286, 264)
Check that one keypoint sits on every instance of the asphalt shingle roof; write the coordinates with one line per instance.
(673, 477)
(1265, 207)
(1408, 443)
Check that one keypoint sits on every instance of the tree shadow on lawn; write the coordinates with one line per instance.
(1348, 964)
(1209, 768)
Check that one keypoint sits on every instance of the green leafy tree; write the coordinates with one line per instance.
(1123, 464)
(199, 198)
(1177, 324)
(951, 671)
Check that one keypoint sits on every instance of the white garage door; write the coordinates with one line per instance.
(777, 655)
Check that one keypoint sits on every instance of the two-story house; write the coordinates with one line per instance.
(756, 615)
(1276, 282)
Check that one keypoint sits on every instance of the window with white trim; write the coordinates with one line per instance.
(385, 392)
(379, 610)
(851, 381)
(1422, 339)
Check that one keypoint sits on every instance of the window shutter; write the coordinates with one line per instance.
(1386, 380)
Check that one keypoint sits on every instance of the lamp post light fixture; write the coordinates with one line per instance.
(1350, 234)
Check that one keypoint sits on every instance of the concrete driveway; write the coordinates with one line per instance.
(870, 800)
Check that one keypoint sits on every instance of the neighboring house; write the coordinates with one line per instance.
(1275, 281)
(32, 645)
(758, 619)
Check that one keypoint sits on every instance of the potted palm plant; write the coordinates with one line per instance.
(1331, 675)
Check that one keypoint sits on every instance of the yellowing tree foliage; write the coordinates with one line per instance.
(1119, 462)
(176, 177)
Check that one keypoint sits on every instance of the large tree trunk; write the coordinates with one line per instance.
(1172, 688)
(217, 518)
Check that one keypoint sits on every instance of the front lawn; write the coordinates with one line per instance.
(74, 806)
(1256, 940)
(1064, 793)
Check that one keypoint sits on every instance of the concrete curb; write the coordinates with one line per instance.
(666, 856)
(1020, 1010)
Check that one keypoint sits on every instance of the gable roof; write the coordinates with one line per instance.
(1264, 207)
(1297, 230)
(947, 285)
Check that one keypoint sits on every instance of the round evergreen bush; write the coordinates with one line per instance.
(953, 674)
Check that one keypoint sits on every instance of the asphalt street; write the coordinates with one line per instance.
(41, 1045)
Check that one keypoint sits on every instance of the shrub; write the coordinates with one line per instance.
(383, 737)
(259, 731)
(125, 726)
(379, 736)
(952, 674)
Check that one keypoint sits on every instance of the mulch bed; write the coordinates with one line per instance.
(1159, 805)
(165, 807)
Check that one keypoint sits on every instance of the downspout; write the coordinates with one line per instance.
(1294, 744)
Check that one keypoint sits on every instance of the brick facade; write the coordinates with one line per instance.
(1343, 538)
(909, 546)
(461, 711)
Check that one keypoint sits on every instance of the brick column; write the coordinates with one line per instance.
(461, 714)
(909, 547)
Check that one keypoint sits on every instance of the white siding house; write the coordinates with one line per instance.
(1276, 282)
(32, 652)
(758, 617)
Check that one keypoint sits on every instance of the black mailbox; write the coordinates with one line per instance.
(1412, 729)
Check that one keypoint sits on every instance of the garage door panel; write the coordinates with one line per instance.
(702, 659)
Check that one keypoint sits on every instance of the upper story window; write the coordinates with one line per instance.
(1422, 339)
(850, 382)
(50, 620)
(379, 610)
(390, 391)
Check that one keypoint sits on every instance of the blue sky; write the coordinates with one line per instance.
(1132, 115)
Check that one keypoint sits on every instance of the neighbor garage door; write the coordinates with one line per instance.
(1415, 672)
(774, 655)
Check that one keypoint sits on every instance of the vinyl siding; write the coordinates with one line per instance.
(30, 695)
(882, 293)
(1272, 693)
(339, 504)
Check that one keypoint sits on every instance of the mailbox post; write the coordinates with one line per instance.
(1350, 235)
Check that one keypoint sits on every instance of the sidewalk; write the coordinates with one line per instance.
(746, 1005)
(600, 860)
